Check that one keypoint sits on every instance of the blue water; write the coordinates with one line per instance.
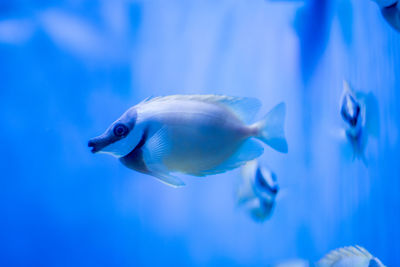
(70, 68)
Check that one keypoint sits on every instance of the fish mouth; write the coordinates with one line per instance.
(97, 144)
(93, 146)
(274, 189)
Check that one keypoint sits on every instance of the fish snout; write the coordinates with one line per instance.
(92, 144)
(97, 144)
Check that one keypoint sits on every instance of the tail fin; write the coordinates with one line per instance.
(271, 129)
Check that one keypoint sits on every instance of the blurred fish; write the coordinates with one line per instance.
(352, 256)
(350, 109)
(391, 12)
(360, 113)
(312, 25)
(192, 134)
(258, 191)
(349, 257)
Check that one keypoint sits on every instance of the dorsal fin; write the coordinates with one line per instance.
(341, 253)
(244, 107)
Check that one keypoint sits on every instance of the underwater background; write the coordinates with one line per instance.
(70, 68)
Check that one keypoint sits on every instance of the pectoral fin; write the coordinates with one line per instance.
(156, 147)
(154, 150)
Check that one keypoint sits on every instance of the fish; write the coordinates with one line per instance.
(351, 256)
(198, 135)
(390, 10)
(360, 114)
(312, 24)
(258, 191)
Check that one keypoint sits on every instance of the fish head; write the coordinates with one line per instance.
(121, 137)
(265, 184)
(350, 109)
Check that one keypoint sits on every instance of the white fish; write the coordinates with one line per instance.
(352, 256)
(391, 12)
(349, 257)
(192, 134)
(258, 191)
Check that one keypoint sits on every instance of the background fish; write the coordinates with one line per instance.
(192, 134)
(257, 191)
(349, 257)
(391, 12)
(360, 113)
(313, 24)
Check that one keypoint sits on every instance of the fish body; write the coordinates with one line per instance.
(193, 134)
(352, 256)
(391, 12)
(199, 136)
(258, 191)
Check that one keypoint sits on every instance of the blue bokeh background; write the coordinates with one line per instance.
(70, 68)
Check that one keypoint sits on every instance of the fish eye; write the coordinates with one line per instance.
(120, 130)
